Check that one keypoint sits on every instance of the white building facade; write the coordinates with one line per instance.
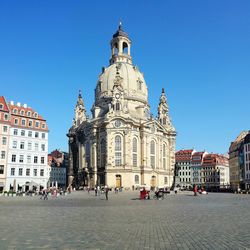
(27, 151)
(122, 145)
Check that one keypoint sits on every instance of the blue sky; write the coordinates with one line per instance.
(199, 51)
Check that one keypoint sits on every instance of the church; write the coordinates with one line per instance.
(122, 144)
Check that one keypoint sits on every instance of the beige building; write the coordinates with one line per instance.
(122, 145)
(236, 162)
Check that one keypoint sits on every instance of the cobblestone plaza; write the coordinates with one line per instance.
(83, 221)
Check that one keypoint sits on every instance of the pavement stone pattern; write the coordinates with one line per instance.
(84, 221)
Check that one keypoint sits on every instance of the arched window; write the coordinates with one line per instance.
(117, 106)
(125, 48)
(134, 152)
(118, 151)
(136, 179)
(164, 154)
(103, 153)
(22, 112)
(152, 154)
(87, 152)
(14, 111)
(139, 84)
(115, 49)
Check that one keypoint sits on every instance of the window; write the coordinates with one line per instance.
(28, 172)
(30, 123)
(117, 106)
(43, 125)
(134, 152)
(164, 156)
(29, 133)
(22, 145)
(12, 171)
(28, 113)
(22, 132)
(139, 84)
(36, 134)
(165, 180)
(23, 122)
(20, 171)
(1, 106)
(15, 132)
(152, 154)
(36, 146)
(29, 146)
(35, 159)
(21, 158)
(136, 179)
(15, 111)
(4, 140)
(2, 154)
(5, 128)
(35, 172)
(22, 112)
(13, 158)
(103, 153)
(43, 135)
(35, 115)
(6, 117)
(43, 147)
(42, 172)
(37, 124)
(1, 169)
(42, 160)
(28, 159)
(118, 149)
(16, 121)
(14, 144)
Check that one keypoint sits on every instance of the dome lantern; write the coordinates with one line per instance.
(120, 47)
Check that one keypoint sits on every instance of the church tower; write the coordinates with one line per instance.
(163, 116)
(80, 111)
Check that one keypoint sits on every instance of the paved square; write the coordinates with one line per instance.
(83, 221)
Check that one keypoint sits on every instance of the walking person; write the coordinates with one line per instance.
(195, 190)
(106, 192)
(45, 195)
(95, 190)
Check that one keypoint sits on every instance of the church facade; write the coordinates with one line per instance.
(122, 144)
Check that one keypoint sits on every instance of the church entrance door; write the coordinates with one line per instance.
(153, 182)
(118, 181)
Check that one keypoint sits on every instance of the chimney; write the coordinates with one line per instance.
(18, 104)
(25, 105)
(11, 102)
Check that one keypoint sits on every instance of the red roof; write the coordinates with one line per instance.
(3, 102)
(197, 157)
(183, 155)
(215, 159)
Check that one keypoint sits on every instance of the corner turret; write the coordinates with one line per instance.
(163, 116)
(80, 111)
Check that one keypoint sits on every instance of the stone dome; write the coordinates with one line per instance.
(131, 81)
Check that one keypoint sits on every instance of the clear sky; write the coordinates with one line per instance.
(199, 51)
